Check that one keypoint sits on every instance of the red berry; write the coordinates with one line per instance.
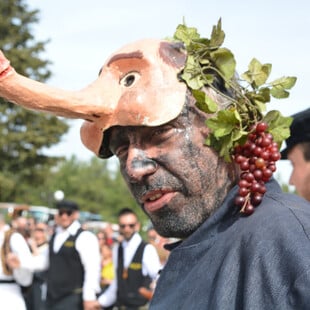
(262, 189)
(243, 183)
(267, 173)
(259, 163)
(257, 151)
(265, 142)
(239, 159)
(243, 191)
(275, 156)
(244, 165)
(239, 201)
(256, 199)
(255, 187)
(261, 127)
(249, 209)
(265, 154)
(249, 177)
(258, 174)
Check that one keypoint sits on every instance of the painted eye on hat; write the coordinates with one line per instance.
(130, 79)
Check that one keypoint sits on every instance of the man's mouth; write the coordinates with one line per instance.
(155, 200)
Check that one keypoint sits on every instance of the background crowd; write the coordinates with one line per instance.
(67, 265)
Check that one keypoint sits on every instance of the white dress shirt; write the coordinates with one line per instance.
(150, 266)
(88, 248)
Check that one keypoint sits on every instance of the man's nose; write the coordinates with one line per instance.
(139, 165)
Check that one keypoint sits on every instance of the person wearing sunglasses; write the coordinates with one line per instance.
(72, 261)
(136, 263)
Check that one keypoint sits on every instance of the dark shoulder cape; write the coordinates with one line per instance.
(236, 262)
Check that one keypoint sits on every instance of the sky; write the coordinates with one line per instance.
(83, 34)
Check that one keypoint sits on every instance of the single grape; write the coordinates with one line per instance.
(239, 201)
(256, 199)
(249, 209)
(261, 127)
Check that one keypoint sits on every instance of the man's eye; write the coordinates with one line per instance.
(162, 131)
(121, 151)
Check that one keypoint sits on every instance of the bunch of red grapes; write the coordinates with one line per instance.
(256, 159)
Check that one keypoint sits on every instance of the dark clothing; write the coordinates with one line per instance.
(129, 308)
(37, 292)
(237, 262)
(129, 281)
(65, 274)
(70, 302)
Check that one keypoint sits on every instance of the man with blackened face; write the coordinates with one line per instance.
(174, 176)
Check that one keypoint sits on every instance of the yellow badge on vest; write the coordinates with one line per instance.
(69, 244)
(135, 266)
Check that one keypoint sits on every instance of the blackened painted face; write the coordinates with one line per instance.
(176, 179)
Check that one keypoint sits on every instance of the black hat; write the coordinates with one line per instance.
(300, 131)
(68, 205)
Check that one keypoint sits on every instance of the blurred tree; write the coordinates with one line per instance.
(94, 185)
(24, 134)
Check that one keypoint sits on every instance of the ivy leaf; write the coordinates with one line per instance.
(280, 86)
(204, 102)
(225, 62)
(186, 34)
(264, 93)
(279, 93)
(284, 82)
(217, 35)
(278, 125)
(225, 146)
(238, 135)
(193, 82)
(223, 123)
(257, 73)
(191, 74)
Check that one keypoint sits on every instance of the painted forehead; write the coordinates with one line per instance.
(117, 134)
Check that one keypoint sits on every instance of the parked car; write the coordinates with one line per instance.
(13, 210)
(42, 213)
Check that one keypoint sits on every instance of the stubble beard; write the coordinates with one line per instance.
(187, 214)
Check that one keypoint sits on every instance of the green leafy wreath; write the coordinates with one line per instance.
(230, 127)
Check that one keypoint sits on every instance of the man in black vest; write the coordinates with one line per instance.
(74, 263)
(137, 265)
